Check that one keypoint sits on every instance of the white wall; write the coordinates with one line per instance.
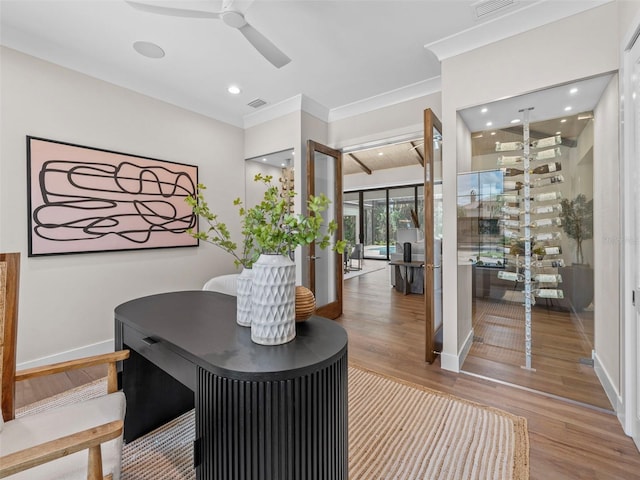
(606, 224)
(409, 175)
(570, 49)
(67, 302)
(388, 122)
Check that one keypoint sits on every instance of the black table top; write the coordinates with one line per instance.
(201, 326)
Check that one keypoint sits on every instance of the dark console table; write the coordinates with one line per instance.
(413, 280)
(268, 412)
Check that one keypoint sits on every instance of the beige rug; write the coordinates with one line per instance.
(397, 430)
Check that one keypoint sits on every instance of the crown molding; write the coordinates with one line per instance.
(393, 97)
(508, 25)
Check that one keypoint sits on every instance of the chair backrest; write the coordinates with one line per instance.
(9, 287)
(357, 252)
(224, 284)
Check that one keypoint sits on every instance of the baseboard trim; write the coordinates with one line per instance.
(453, 363)
(86, 351)
(609, 388)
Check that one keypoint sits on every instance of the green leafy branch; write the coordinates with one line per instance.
(277, 231)
(217, 232)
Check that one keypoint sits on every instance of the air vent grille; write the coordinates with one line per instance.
(488, 7)
(257, 103)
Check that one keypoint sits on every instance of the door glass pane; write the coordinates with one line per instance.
(437, 229)
(375, 224)
(325, 265)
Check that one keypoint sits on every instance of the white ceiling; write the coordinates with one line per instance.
(342, 52)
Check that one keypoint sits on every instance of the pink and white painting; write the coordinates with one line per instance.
(83, 199)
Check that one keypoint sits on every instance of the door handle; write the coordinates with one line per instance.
(314, 258)
(149, 341)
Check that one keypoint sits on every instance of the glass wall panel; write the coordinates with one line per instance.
(402, 212)
(375, 223)
(525, 232)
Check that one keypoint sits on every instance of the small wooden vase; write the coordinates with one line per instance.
(305, 303)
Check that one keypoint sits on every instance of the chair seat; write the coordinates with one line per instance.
(227, 284)
(34, 429)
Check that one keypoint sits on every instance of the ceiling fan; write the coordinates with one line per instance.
(230, 16)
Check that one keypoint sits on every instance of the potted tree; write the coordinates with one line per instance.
(271, 234)
(577, 223)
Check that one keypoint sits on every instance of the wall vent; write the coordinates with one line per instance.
(487, 7)
(257, 103)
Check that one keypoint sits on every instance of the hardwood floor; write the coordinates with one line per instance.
(386, 334)
(561, 340)
(567, 441)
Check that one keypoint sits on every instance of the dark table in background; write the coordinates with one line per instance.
(268, 412)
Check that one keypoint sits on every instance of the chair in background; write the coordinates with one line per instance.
(356, 257)
(54, 443)
(224, 284)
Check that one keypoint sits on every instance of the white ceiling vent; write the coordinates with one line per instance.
(257, 103)
(487, 7)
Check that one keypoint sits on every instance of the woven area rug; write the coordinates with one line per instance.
(397, 430)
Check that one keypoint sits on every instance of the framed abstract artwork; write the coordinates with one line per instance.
(84, 199)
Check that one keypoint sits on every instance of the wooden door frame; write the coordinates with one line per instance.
(430, 121)
(333, 310)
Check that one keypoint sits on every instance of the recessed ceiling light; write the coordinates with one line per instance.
(567, 109)
(148, 49)
(573, 91)
(477, 135)
(558, 133)
(484, 110)
(564, 120)
(380, 154)
(489, 124)
(515, 120)
(264, 159)
(493, 133)
(283, 164)
(233, 90)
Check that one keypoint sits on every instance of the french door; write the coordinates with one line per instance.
(432, 234)
(324, 175)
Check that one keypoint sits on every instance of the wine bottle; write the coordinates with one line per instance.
(552, 250)
(509, 146)
(548, 278)
(544, 197)
(543, 209)
(547, 154)
(510, 223)
(505, 160)
(509, 198)
(557, 263)
(547, 222)
(547, 168)
(511, 276)
(511, 234)
(548, 293)
(543, 182)
(547, 236)
(511, 172)
(511, 210)
(547, 142)
(512, 185)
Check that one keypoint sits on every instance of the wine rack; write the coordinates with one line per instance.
(531, 177)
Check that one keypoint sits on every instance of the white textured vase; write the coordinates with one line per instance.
(245, 282)
(273, 295)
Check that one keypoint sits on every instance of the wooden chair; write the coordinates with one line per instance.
(50, 444)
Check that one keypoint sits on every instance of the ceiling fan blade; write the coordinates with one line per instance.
(264, 46)
(173, 12)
